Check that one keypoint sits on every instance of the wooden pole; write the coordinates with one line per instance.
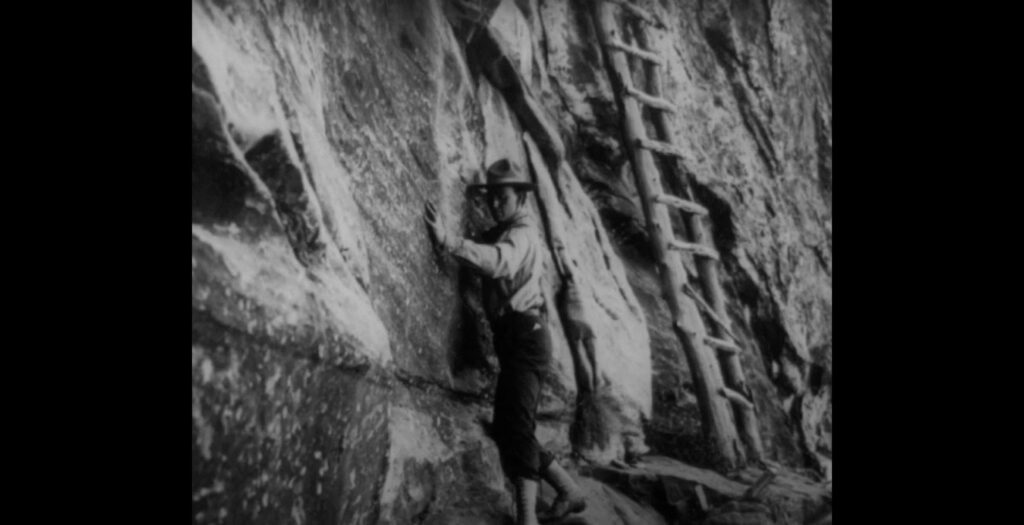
(650, 100)
(688, 325)
(682, 204)
(661, 147)
(574, 323)
(643, 54)
(707, 269)
(723, 325)
(723, 345)
(736, 398)
(698, 249)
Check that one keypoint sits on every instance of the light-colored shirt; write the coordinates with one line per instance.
(515, 263)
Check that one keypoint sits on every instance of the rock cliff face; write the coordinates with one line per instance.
(342, 369)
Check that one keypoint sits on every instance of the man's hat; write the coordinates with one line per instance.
(504, 173)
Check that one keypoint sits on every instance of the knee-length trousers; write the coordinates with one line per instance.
(523, 347)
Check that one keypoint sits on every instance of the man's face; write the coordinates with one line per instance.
(503, 202)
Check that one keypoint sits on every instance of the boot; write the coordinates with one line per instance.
(570, 497)
(526, 501)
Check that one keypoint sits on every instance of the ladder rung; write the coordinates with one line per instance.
(697, 249)
(736, 398)
(638, 12)
(708, 310)
(660, 147)
(649, 100)
(682, 204)
(637, 52)
(722, 345)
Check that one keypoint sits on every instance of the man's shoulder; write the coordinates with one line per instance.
(524, 228)
(508, 227)
(521, 229)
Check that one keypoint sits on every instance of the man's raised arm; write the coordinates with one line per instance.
(498, 260)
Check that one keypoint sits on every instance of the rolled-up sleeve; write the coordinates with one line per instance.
(499, 260)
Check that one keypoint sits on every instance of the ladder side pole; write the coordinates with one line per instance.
(715, 410)
(707, 269)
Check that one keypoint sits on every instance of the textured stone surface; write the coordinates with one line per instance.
(341, 368)
(669, 486)
(752, 86)
(740, 513)
(605, 506)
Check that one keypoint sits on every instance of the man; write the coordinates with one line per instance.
(510, 256)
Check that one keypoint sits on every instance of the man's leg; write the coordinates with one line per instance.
(526, 501)
(524, 350)
(570, 497)
(515, 403)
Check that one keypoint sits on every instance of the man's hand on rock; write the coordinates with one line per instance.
(434, 226)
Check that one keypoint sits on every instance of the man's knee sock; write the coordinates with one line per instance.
(526, 501)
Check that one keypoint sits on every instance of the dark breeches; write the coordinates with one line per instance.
(521, 342)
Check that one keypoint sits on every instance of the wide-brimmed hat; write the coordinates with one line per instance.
(505, 173)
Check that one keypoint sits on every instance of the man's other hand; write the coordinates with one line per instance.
(434, 225)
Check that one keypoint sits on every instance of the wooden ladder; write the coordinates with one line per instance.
(718, 379)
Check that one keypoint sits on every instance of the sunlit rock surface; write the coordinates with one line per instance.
(342, 370)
